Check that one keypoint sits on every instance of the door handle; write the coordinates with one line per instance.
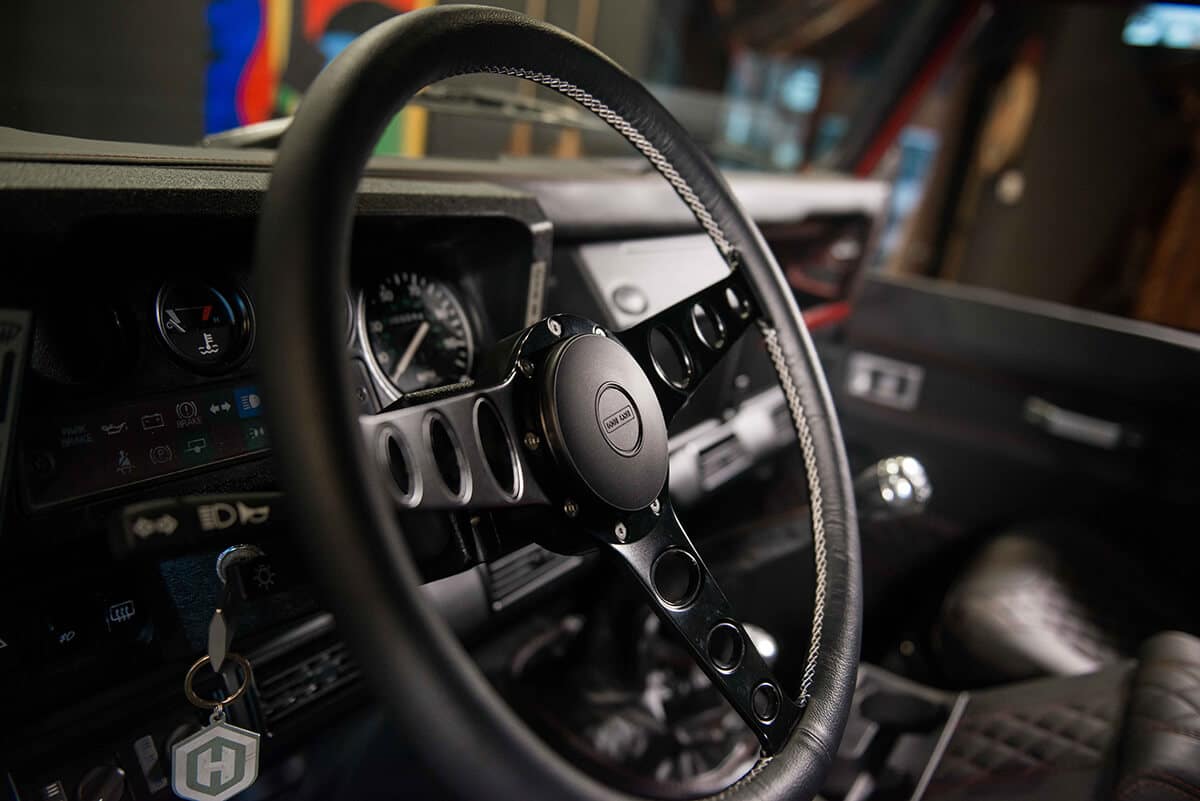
(1078, 427)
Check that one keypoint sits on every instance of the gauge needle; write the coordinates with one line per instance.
(410, 351)
(175, 321)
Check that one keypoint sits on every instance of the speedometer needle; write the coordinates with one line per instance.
(410, 351)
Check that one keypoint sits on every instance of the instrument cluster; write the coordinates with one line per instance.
(416, 331)
(153, 375)
(412, 329)
(422, 315)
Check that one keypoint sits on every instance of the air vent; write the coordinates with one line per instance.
(722, 459)
(298, 685)
(514, 576)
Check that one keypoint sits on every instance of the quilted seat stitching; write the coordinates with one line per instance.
(1129, 789)
(1176, 694)
(1078, 738)
(1155, 723)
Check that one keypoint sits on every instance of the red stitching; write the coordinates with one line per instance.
(1172, 778)
(1130, 787)
(1030, 773)
(1154, 723)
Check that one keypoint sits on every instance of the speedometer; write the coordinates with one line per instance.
(417, 331)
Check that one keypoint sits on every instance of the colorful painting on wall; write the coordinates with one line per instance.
(266, 52)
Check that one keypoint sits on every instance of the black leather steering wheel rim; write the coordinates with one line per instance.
(463, 730)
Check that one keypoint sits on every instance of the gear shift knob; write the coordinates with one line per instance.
(893, 487)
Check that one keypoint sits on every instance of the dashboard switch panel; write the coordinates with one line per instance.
(70, 455)
(175, 525)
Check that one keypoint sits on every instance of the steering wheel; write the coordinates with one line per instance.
(565, 415)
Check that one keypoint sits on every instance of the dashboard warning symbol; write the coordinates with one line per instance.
(216, 516)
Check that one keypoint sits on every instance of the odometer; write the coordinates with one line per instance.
(417, 331)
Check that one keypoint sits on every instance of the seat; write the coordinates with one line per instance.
(1129, 732)
(1051, 600)
(1160, 750)
(1052, 739)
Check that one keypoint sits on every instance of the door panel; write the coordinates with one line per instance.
(1021, 410)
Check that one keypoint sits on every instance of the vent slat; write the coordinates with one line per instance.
(296, 686)
(514, 575)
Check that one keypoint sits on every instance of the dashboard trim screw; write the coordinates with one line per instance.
(554, 327)
(526, 367)
(620, 532)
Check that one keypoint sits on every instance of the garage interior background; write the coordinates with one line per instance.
(1046, 157)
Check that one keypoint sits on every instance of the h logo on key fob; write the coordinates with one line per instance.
(215, 763)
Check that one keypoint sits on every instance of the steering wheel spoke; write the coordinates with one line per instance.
(681, 345)
(685, 594)
(457, 450)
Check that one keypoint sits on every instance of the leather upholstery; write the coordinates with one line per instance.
(418, 668)
(1045, 739)
(1050, 600)
(1160, 747)
(1128, 732)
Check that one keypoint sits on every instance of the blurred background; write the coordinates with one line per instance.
(1044, 149)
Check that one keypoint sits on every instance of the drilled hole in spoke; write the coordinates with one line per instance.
(446, 455)
(671, 359)
(496, 446)
(676, 578)
(766, 702)
(709, 328)
(726, 646)
(737, 304)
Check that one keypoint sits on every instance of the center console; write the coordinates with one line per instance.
(616, 696)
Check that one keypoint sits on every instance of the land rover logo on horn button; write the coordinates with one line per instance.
(618, 419)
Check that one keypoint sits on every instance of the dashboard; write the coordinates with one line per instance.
(151, 376)
(141, 446)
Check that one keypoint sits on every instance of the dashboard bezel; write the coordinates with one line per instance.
(440, 259)
(361, 343)
(82, 221)
(230, 285)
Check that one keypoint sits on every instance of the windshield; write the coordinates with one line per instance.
(748, 79)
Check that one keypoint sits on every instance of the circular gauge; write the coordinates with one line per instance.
(208, 328)
(417, 331)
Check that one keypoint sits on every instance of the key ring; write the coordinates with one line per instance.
(204, 703)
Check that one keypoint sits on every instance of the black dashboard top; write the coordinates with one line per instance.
(582, 198)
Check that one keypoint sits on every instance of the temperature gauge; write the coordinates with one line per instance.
(209, 329)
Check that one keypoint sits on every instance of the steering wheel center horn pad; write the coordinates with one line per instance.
(603, 421)
(588, 416)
